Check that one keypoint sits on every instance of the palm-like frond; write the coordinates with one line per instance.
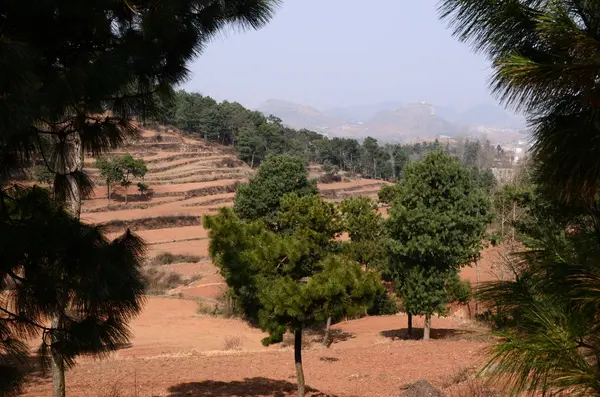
(70, 271)
(545, 63)
(549, 339)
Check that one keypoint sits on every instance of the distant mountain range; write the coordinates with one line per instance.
(397, 122)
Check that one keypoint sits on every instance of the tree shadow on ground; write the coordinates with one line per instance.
(315, 337)
(34, 370)
(436, 333)
(246, 388)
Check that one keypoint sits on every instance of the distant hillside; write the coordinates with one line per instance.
(413, 121)
(489, 115)
(392, 122)
(299, 116)
(362, 113)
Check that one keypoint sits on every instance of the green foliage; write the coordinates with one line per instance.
(436, 225)
(96, 284)
(294, 278)
(277, 176)
(383, 304)
(388, 193)
(423, 290)
(73, 92)
(121, 170)
(42, 174)
(168, 258)
(547, 316)
(110, 171)
(365, 227)
(130, 168)
(143, 188)
(459, 291)
(256, 137)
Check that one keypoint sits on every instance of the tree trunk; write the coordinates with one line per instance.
(427, 327)
(57, 365)
(125, 195)
(326, 337)
(410, 327)
(298, 361)
(514, 218)
(252, 163)
(476, 286)
(74, 164)
(108, 193)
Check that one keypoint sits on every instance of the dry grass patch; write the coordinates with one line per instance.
(159, 222)
(168, 258)
(233, 343)
(159, 282)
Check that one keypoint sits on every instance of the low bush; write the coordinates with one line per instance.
(233, 343)
(167, 258)
(159, 282)
(330, 178)
(383, 304)
(224, 306)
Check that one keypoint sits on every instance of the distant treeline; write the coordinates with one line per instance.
(255, 136)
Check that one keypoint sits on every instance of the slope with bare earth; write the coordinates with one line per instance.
(175, 351)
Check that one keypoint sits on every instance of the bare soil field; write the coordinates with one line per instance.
(175, 351)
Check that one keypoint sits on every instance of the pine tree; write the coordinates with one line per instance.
(293, 278)
(53, 267)
(436, 224)
(277, 176)
(76, 91)
(366, 229)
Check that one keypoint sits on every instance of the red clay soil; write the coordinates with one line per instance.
(177, 353)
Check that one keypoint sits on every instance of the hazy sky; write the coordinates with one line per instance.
(328, 53)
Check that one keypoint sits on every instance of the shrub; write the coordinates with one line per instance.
(159, 282)
(388, 193)
(330, 178)
(383, 304)
(233, 343)
(167, 258)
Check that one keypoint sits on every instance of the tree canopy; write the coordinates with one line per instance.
(277, 176)
(295, 277)
(54, 266)
(436, 225)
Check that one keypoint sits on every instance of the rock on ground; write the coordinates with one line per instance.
(422, 388)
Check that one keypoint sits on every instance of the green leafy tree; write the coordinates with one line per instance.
(388, 193)
(544, 64)
(436, 224)
(143, 188)
(290, 279)
(366, 229)
(111, 172)
(130, 168)
(75, 288)
(277, 176)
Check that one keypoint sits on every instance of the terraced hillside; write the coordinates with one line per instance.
(180, 347)
(188, 179)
